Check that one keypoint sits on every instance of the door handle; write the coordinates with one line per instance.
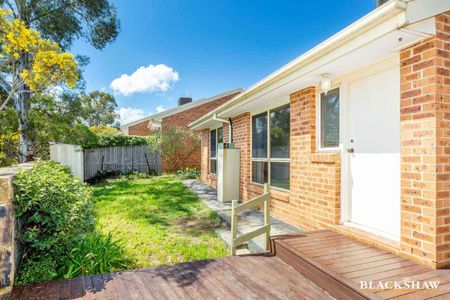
(351, 150)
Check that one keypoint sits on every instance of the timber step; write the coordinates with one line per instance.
(338, 264)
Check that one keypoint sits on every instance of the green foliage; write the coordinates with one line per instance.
(49, 120)
(114, 140)
(96, 254)
(64, 21)
(188, 173)
(104, 130)
(98, 108)
(37, 268)
(55, 209)
(176, 146)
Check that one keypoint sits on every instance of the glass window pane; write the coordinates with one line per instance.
(259, 171)
(259, 136)
(220, 135)
(329, 119)
(279, 175)
(280, 120)
(213, 166)
(213, 143)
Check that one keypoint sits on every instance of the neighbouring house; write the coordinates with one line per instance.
(353, 135)
(180, 117)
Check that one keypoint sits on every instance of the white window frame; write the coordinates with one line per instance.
(268, 159)
(217, 147)
(319, 121)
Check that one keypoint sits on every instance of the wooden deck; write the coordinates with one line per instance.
(314, 265)
(338, 264)
(238, 277)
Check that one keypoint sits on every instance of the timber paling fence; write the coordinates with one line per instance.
(89, 163)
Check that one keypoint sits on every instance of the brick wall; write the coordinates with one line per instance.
(184, 118)
(314, 199)
(425, 148)
(139, 129)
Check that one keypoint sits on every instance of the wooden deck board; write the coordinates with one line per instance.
(239, 277)
(338, 264)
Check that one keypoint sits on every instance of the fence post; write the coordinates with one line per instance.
(267, 216)
(233, 226)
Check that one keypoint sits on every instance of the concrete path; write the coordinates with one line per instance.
(247, 221)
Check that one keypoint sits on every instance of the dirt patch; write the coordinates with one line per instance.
(199, 224)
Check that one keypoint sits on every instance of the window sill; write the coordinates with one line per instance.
(281, 195)
(325, 157)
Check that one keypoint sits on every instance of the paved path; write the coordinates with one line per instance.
(247, 221)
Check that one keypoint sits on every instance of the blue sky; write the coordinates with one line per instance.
(201, 48)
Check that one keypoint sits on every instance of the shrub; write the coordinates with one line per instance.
(114, 140)
(55, 209)
(188, 173)
(176, 146)
(37, 268)
(96, 254)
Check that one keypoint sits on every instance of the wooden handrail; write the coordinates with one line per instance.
(265, 229)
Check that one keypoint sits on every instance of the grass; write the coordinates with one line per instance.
(158, 220)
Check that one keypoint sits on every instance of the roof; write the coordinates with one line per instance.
(389, 18)
(157, 118)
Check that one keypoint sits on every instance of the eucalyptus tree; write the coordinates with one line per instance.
(63, 22)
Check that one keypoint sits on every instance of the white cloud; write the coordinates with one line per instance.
(129, 114)
(160, 108)
(146, 79)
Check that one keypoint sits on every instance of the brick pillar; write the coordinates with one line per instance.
(204, 152)
(241, 139)
(425, 148)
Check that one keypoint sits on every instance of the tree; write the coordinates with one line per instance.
(104, 130)
(47, 64)
(176, 146)
(98, 108)
(60, 21)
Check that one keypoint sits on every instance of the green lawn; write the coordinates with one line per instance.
(159, 221)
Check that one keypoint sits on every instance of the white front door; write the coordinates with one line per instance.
(374, 165)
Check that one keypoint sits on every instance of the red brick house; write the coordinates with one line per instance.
(180, 117)
(353, 135)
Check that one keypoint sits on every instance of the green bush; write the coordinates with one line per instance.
(96, 254)
(37, 268)
(55, 209)
(188, 173)
(114, 140)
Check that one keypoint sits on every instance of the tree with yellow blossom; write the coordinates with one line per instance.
(29, 64)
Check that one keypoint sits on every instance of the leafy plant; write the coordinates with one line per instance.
(37, 268)
(96, 254)
(188, 173)
(114, 140)
(55, 209)
(176, 146)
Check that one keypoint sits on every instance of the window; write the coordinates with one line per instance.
(329, 119)
(270, 147)
(216, 137)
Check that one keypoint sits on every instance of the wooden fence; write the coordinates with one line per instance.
(87, 163)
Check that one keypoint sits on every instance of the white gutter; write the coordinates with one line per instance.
(358, 28)
(215, 118)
